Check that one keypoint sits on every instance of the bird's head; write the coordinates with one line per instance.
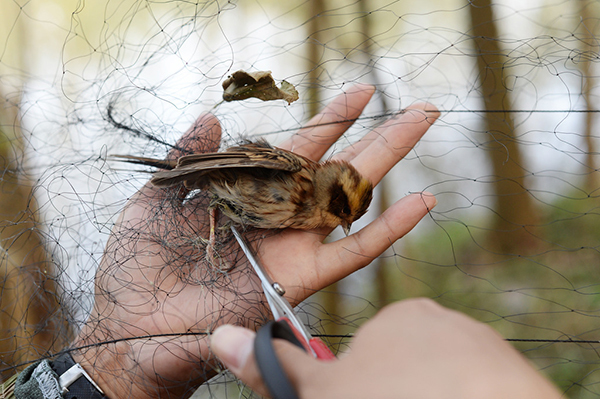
(347, 193)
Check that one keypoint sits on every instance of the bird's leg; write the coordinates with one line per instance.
(213, 214)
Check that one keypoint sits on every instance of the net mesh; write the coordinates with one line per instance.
(512, 161)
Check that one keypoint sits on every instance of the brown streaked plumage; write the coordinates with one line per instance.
(262, 186)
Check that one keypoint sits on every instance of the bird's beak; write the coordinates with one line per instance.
(346, 226)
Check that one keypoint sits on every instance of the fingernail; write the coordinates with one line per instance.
(428, 194)
(233, 345)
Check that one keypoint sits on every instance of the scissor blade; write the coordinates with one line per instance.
(262, 274)
(280, 307)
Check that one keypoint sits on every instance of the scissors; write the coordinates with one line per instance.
(287, 326)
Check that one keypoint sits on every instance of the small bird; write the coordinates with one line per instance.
(258, 185)
(262, 186)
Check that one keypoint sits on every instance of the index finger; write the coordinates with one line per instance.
(386, 145)
(327, 126)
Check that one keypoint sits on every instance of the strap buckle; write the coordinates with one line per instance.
(71, 375)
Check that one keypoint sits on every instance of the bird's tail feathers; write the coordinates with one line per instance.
(167, 164)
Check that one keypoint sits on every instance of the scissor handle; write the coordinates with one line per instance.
(272, 373)
(321, 350)
(303, 343)
(315, 345)
(275, 379)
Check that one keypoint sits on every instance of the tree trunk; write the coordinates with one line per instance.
(382, 288)
(31, 320)
(316, 48)
(515, 215)
(588, 83)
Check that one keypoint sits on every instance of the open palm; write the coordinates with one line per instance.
(154, 279)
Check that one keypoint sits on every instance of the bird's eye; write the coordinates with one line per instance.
(346, 210)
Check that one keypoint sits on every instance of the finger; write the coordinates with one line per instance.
(431, 114)
(382, 148)
(328, 125)
(234, 346)
(359, 249)
(203, 136)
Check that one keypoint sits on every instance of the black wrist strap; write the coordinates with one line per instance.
(74, 381)
(270, 368)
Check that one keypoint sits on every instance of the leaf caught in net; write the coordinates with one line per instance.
(242, 85)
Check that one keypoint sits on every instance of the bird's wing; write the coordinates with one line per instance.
(191, 168)
(248, 155)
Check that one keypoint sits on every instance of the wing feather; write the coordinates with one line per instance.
(192, 169)
(158, 163)
(252, 154)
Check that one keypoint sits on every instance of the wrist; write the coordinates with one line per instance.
(144, 368)
(105, 363)
(73, 381)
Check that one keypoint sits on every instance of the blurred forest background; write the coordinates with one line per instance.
(513, 160)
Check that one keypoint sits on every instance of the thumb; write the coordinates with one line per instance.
(234, 346)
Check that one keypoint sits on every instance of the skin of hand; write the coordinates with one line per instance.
(411, 349)
(153, 280)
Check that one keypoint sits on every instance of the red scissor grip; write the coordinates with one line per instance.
(321, 350)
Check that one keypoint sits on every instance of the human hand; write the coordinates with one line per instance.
(411, 349)
(154, 281)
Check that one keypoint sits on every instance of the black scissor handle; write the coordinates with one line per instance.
(275, 379)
